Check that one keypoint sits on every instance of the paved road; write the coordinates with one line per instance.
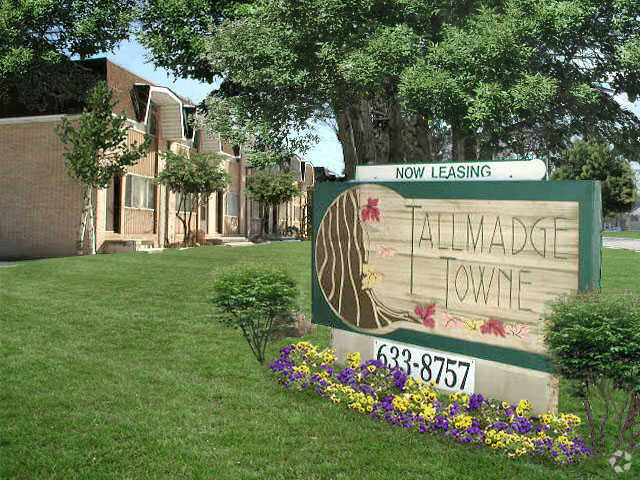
(622, 243)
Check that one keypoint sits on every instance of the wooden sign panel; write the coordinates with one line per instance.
(467, 268)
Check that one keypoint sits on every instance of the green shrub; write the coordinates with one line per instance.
(254, 299)
(594, 340)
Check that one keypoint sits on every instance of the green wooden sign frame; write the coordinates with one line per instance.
(585, 193)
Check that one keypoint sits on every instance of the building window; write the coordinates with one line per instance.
(152, 122)
(196, 139)
(140, 192)
(189, 204)
(232, 205)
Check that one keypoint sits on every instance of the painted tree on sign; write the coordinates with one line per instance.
(193, 178)
(96, 151)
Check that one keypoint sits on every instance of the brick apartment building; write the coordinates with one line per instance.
(41, 204)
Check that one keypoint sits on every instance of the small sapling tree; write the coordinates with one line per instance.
(595, 343)
(271, 189)
(193, 178)
(96, 151)
(254, 298)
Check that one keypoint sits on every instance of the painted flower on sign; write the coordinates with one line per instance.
(370, 212)
(470, 325)
(519, 331)
(493, 326)
(369, 277)
(451, 322)
(425, 313)
(386, 252)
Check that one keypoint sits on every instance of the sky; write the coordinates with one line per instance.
(132, 56)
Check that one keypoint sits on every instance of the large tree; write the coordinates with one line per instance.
(38, 36)
(407, 80)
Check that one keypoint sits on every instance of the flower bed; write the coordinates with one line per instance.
(373, 389)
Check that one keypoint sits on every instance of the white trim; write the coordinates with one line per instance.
(167, 91)
(137, 127)
(140, 208)
(38, 118)
(227, 155)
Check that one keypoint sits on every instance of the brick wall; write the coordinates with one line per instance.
(121, 81)
(40, 204)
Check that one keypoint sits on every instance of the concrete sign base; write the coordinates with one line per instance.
(493, 380)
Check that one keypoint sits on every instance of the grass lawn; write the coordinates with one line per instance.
(112, 366)
(625, 234)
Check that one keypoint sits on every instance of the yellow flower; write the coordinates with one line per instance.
(303, 369)
(546, 418)
(354, 359)
(563, 440)
(429, 412)
(462, 422)
(524, 405)
(369, 277)
(371, 368)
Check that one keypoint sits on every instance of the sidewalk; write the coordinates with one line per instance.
(621, 243)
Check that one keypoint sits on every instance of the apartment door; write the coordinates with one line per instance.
(274, 219)
(219, 212)
(112, 218)
(203, 216)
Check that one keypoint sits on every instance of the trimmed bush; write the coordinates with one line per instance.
(256, 299)
(595, 342)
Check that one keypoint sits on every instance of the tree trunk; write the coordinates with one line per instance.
(84, 220)
(92, 224)
(182, 205)
(375, 131)
(463, 145)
